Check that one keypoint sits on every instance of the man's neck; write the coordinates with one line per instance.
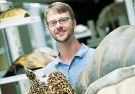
(68, 50)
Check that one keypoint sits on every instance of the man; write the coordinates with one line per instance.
(73, 57)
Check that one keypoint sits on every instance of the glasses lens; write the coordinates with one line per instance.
(63, 20)
(52, 23)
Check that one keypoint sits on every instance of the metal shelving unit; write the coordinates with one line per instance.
(83, 34)
(18, 22)
(18, 77)
(6, 27)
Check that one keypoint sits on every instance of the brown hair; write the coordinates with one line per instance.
(60, 7)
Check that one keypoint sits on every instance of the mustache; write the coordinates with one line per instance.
(60, 28)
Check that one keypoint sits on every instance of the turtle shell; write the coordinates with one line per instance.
(116, 50)
(52, 83)
(31, 61)
(14, 12)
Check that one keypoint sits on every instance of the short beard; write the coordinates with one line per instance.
(65, 40)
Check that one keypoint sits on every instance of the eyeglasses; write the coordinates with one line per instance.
(61, 21)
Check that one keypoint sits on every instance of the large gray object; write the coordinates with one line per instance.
(115, 51)
(119, 81)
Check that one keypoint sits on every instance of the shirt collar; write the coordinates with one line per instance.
(83, 50)
(58, 59)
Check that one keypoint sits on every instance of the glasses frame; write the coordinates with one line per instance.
(55, 21)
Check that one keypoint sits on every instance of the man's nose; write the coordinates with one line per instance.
(58, 24)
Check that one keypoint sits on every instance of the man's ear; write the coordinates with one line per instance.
(74, 23)
(47, 27)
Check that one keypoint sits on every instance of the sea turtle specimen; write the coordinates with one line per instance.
(116, 50)
(52, 83)
(31, 61)
(12, 12)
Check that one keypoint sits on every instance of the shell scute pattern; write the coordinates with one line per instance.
(52, 83)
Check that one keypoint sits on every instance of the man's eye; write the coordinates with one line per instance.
(52, 22)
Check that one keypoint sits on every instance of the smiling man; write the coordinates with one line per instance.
(73, 56)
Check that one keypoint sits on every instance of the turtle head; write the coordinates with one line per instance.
(30, 74)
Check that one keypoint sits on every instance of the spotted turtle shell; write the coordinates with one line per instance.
(52, 83)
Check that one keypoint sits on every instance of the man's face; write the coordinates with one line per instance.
(63, 29)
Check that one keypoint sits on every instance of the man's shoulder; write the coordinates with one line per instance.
(50, 67)
(52, 63)
(87, 47)
(90, 52)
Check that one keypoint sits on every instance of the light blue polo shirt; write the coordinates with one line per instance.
(78, 63)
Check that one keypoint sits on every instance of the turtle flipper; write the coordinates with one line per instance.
(30, 74)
